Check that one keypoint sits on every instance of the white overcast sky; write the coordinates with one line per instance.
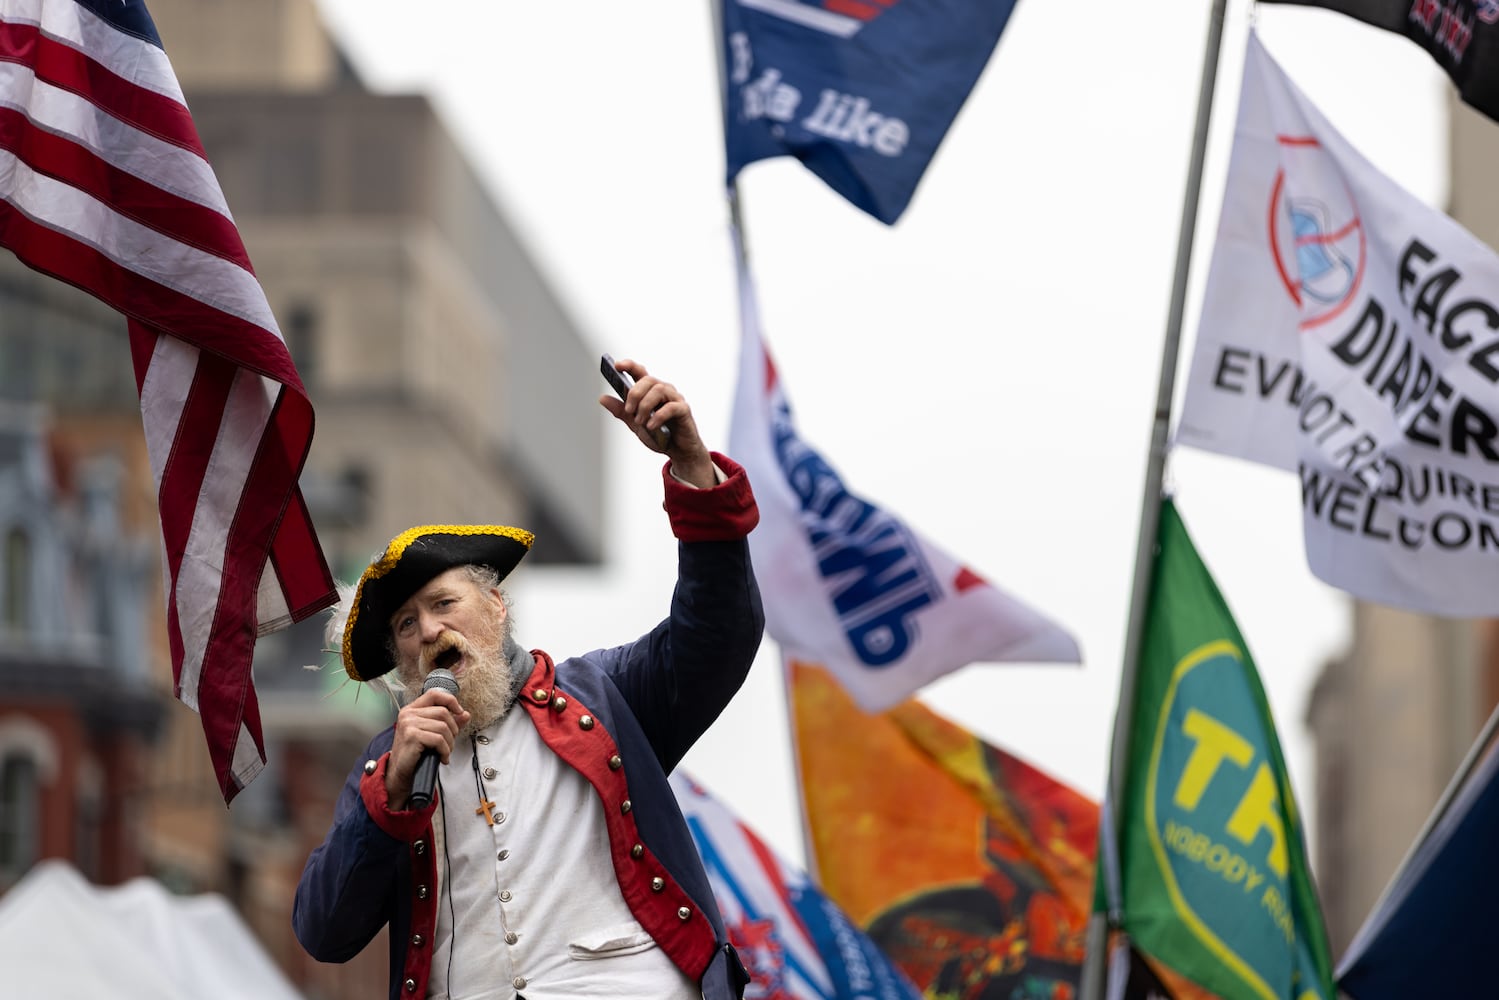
(986, 368)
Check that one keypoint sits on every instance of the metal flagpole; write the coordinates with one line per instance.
(736, 218)
(741, 251)
(1095, 961)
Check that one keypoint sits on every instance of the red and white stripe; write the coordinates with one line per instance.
(103, 184)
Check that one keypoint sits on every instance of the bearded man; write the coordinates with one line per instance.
(553, 861)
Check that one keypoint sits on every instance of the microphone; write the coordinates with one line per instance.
(425, 779)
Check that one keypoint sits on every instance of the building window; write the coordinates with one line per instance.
(17, 588)
(300, 332)
(19, 812)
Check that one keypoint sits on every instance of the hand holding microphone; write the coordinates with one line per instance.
(427, 728)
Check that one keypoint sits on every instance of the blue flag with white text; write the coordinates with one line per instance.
(860, 91)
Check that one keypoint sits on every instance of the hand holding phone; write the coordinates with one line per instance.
(620, 382)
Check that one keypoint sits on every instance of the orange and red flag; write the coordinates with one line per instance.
(970, 868)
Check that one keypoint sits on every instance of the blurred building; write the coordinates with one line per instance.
(450, 386)
(78, 715)
(1394, 716)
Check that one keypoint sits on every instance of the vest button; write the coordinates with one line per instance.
(490, 773)
(511, 937)
(519, 982)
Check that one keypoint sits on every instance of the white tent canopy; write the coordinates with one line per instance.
(63, 938)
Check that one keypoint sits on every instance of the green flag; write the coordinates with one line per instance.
(1212, 858)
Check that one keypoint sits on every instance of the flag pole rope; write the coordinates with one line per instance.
(1096, 958)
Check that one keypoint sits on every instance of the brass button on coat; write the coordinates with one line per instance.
(637, 851)
(369, 767)
(585, 722)
(410, 985)
(658, 883)
(559, 703)
(683, 913)
(420, 847)
(624, 806)
(421, 892)
(539, 696)
(416, 940)
(615, 763)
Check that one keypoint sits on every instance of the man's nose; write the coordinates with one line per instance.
(429, 625)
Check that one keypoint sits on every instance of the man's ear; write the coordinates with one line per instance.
(494, 595)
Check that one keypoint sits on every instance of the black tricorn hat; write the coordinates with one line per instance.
(411, 559)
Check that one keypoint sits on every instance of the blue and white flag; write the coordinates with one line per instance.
(861, 91)
(794, 941)
(849, 585)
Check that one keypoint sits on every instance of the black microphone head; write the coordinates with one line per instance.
(442, 679)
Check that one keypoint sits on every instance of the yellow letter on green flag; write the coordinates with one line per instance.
(1213, 862)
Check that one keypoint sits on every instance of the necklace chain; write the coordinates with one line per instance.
(486, 805)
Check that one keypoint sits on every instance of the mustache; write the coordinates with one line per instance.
(444, 651)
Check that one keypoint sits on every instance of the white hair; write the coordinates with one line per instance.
(338, 618)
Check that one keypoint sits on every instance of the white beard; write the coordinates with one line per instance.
(488, 687)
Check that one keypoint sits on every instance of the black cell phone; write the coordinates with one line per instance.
(620, 382)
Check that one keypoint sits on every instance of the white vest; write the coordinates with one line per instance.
(531, 904)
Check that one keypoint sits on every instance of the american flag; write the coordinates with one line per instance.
(104, 185)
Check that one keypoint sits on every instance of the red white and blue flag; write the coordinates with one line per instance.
(795, 942)
(104, 185)
(848, 584)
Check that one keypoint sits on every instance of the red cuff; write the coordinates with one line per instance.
(722, 513)
(406, 825)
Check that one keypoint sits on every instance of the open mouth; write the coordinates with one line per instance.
(448, 651)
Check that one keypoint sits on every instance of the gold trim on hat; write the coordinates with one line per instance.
(392, 558)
